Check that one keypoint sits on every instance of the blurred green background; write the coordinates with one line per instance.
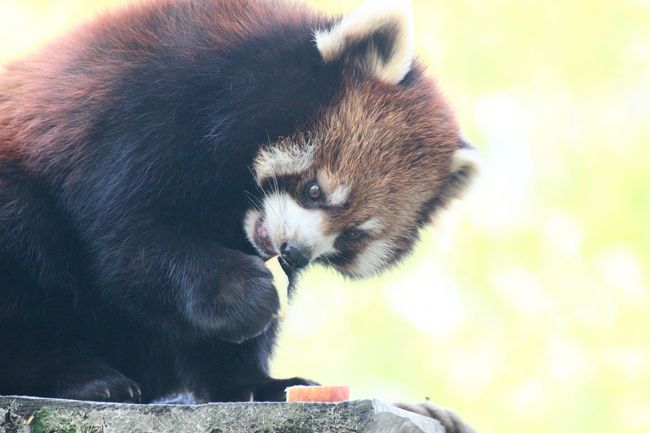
(526, 308)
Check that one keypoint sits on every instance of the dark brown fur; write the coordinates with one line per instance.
(126, 157)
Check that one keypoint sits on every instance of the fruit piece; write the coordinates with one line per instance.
(281, 282)
(323, 394)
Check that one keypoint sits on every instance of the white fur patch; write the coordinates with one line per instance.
(465, 167)
(371, 225)
(468, 159)
(373, 259)
(283, 159)
(339, 196)
(249, 227)
(285, 220)
(362, 23)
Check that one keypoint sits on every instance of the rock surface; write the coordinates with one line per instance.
(38, 415)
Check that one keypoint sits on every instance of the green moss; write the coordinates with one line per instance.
(50, 421)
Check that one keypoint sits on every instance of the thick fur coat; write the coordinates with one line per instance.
(140, 158)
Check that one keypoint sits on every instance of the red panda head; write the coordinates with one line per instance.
(354, 186)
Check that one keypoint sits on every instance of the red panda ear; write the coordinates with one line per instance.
(465, 166)
(466, 159)
(378, 37)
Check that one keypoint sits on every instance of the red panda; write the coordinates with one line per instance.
(153, 158)
(354, 186)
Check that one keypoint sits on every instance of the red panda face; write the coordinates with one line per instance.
(353, 188)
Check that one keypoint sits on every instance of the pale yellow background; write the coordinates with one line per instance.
(527, 308)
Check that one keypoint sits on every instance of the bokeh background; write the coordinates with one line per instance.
(526, 307)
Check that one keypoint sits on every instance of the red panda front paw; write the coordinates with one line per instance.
(275, 389)
(449, 419)
(240, 301)
(98, 383)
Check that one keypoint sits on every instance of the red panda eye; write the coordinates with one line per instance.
(313, 191)
(352, 234)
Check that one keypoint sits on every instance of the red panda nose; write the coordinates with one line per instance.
(294, 256)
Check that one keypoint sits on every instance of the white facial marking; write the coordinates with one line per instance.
(339, 196)
(285, 220)
(373, 16)
(325, 247)
(369, 262)
(249, 227)
(371, 225)
(278, 160)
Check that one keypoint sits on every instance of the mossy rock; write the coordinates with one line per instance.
(37, 415)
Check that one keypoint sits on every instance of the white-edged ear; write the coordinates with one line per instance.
(465, 166)
(378, 36)
(466, 159)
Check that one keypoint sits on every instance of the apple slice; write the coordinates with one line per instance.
(323, 394)
(281, 282)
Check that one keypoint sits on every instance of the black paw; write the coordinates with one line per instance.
(108, 385)
(274, 390)
(449, 420)
(240, 301)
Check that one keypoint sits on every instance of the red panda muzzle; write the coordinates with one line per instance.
(295, 256)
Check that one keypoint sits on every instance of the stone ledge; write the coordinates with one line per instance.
(38, 415)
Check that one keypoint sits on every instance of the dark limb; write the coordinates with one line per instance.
(188, 285)
(274, 389)
(50, 361)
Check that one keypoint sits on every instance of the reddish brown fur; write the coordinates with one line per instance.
(37, 92)
(393, 146)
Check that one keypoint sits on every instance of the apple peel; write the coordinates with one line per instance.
(318, 394)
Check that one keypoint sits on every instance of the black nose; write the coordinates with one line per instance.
(293, 255)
